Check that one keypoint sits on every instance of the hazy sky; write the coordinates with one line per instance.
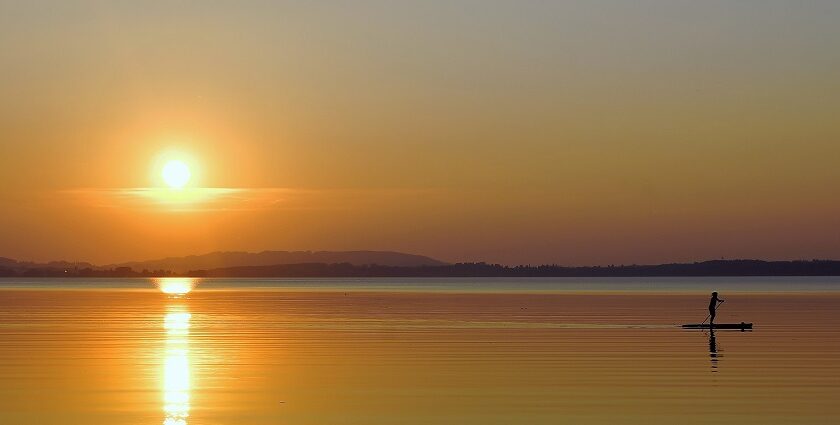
(585, 132)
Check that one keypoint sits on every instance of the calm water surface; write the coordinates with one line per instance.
(413, 351)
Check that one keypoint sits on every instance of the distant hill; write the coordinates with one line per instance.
(394, 264)
(216, 260)
(706, 268)
(9, 266)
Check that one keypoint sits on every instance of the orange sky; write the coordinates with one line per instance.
(572, 133)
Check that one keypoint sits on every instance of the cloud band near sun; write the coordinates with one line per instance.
(186, 199)
(244, 199)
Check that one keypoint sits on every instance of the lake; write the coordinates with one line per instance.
(417, 351)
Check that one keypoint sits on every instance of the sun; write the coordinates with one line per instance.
(176, 174)
(177, 286)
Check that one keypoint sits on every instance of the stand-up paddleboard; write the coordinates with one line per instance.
(741, 326)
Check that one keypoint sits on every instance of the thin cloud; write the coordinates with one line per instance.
(189, 199)
(239, 199)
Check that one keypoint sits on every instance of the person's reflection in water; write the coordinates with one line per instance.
(176, 367)
(713, 350)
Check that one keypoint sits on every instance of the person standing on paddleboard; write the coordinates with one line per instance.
(713, 303)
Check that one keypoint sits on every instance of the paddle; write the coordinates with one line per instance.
(710, 314)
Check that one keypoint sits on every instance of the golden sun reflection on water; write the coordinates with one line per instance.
(176, 368)
(176, 285)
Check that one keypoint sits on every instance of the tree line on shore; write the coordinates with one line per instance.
(706, 268)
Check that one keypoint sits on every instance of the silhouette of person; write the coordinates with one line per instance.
(713, 303)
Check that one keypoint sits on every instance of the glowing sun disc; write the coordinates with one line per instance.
(176, 174)
(176, 285)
